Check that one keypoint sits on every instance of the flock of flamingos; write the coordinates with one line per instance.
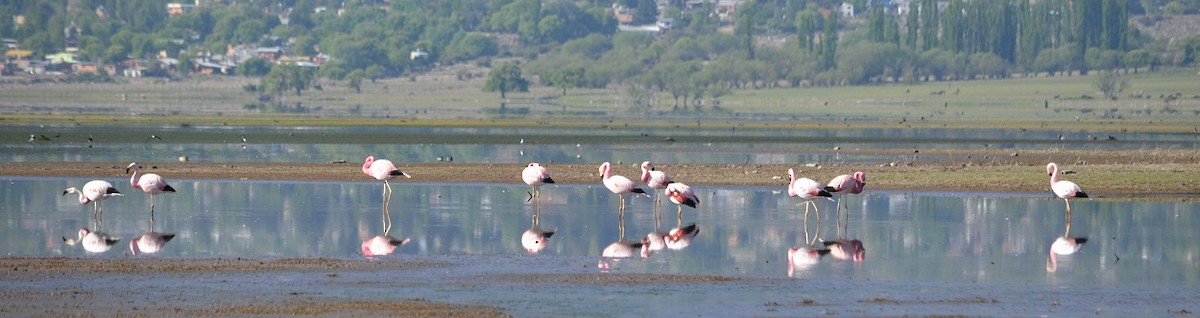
(807, 190)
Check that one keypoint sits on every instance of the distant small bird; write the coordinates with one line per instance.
(619, 185)
(535, 176)
(1062, 188)
(149, 183)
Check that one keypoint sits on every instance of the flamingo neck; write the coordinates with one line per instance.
(366, 168)
(83, 199)
(133, 180)
(1053, 174)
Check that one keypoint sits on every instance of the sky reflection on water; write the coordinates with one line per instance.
(953, 237)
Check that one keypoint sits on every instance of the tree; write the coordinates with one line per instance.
(1111, 85)
(285, 77)
(354, 80)
(255, 66)
(564, 78)
(506, 78)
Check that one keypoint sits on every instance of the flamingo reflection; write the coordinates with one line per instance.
(1064, 245)
(535, 239)
(804, 257)
(681, 237)
(847, 250)
(92, 241)
(150, 242)
(381, 245)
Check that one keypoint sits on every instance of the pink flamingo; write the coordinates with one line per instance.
(92, 241)
(95, 191)
(804, 257)
(381, 245)
(619, 185)
(806, 189)
(681, 194)
(149, 183)
(384, 170)
(149, 243)
(843, 185)
(535, 176)
(1062, 188)
(654, 179)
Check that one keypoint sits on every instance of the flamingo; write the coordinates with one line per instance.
(381, 245)
(619, 185)
(94, 192)
(681, 194)
(846, 184)
(150, 242)
(654, 179)
(803, 257)
(806, 189)
(383, 170)
(149, 183)
(535, 176)
(92, 241)
(1062, 188)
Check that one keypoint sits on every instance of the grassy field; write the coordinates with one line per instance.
(439, 95)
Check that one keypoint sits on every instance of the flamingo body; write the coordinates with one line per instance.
(94, 191)
(805, 188)
(1062, 188)
(382, 169)
(149, 183)
(618, 184)
(535, 175)
(653, 178)
(681, 194)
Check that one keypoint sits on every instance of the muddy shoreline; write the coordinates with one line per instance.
(1170, 179)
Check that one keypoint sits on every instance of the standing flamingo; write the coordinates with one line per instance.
(655, 179)
(384, 170)
(1062, 188)
(535, 176)
(681, 194)
(806, 189)
(150, 183)
(843, 185)
(95, 191)
(619, 185)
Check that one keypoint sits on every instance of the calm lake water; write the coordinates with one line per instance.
(951, 237)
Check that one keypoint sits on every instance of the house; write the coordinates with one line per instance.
(269, 53)
(206, 67)
(85, 67)
(726, 8)
(417, 54)
(179, 8)
(846, 10)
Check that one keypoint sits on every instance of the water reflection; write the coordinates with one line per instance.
(803, 257)
(1064, 245)
(922, 236)
(535, 239)
(381, 245)
(92, 241)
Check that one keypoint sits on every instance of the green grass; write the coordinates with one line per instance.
(439, 95)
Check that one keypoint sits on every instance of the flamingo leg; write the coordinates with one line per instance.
(621, 221)
(1068, 229)
(806, 222)
(387, 208)
(678, 215)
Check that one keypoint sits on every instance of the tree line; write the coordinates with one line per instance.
(574, 44)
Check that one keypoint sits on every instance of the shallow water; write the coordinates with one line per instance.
(698, 144)
(939, 252)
